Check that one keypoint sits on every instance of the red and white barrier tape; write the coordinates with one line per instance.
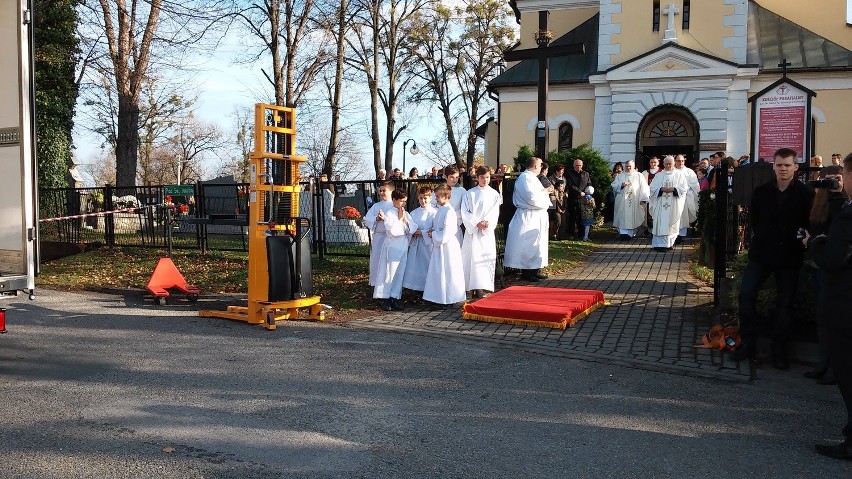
(87, 215)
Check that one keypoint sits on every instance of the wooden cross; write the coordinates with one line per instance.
(543, 54)
(784, 64)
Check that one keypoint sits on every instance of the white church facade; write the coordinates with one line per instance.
(673, 78)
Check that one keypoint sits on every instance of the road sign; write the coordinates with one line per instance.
(179, 190)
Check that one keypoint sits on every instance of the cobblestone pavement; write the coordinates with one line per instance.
(658, 312)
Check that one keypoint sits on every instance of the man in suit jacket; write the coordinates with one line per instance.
(577, 181)
(778, 210)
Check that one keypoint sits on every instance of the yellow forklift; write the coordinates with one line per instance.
(279, 271)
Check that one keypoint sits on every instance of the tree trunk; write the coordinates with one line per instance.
(127, 142)
(340, 59)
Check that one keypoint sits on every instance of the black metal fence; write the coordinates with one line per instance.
(215, 215)
(147, 216)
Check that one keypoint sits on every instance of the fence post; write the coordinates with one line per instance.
(720, 239)
(109, 219)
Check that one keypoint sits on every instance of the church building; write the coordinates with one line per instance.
(664, 77)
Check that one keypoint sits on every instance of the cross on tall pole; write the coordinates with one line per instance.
(543, 54)
(784, 64)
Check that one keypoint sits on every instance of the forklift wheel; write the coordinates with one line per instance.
(32, 297)
(161, 301)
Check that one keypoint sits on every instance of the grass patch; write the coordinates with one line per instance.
(702, 273)
(340, 280)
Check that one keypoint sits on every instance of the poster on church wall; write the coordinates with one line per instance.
(781, 115)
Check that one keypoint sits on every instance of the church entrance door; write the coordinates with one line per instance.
(667, 130)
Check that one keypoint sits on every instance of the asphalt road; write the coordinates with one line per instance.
(105, 386)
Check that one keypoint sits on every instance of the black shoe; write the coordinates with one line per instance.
(743, 352)
(678, 240)
(541, 276)
(530, 278)
(396, 304)
(838, 451)
(780, 362)
(386, 305)
(660, 249)
(815, 374)
(827, 380)
(624, 237)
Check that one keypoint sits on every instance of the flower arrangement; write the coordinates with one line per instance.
(347, 213)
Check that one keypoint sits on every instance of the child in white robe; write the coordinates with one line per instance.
(480, 210)
(374, 220)
(457, 191)
(445, 279)
(420, 249)
(394, 254)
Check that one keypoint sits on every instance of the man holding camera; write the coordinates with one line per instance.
(779, 209)
(832, 252)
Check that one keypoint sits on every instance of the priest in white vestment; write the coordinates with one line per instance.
(631, 192)
(526, 240)
(690, 210)
(668, 196)
(480, 210)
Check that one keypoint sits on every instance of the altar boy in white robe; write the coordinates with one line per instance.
(631, 191)
(527, 238)
(445, 279)
(375, 221)
(668, 196)
(394, 254)
(480, 210)
(690, 209)
(420, 248)
(451, 173)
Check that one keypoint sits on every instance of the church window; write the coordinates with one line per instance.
(685, 14)
(668, 128)
(655, 25)
(566, 137)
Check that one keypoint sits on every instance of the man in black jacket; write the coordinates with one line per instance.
(778, 210)
(833, 254)
(577, 181)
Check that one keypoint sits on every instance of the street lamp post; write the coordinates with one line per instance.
(414, 151)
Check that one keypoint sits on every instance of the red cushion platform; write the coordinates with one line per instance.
(535, 306)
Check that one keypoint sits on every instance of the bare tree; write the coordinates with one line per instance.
(381, 49)
(124, 39)
(186, 150)
(283, 26)
(458, 51)
(162, 106)
(241, 145)
(336, 20)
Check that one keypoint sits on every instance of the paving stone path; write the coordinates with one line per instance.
(658, 312)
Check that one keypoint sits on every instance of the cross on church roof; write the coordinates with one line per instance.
(784, 64)
(670, 11)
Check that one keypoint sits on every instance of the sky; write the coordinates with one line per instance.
(224, 86)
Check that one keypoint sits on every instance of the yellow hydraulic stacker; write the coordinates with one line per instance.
(279, 270)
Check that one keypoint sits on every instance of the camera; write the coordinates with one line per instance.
(830, 183)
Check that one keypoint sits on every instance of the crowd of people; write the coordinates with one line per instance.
(445, 249)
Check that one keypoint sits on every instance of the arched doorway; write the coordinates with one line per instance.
(667, 130)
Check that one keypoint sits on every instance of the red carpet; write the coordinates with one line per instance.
(534, 306)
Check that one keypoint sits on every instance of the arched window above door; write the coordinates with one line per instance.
(668, 128)
(566, 136)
